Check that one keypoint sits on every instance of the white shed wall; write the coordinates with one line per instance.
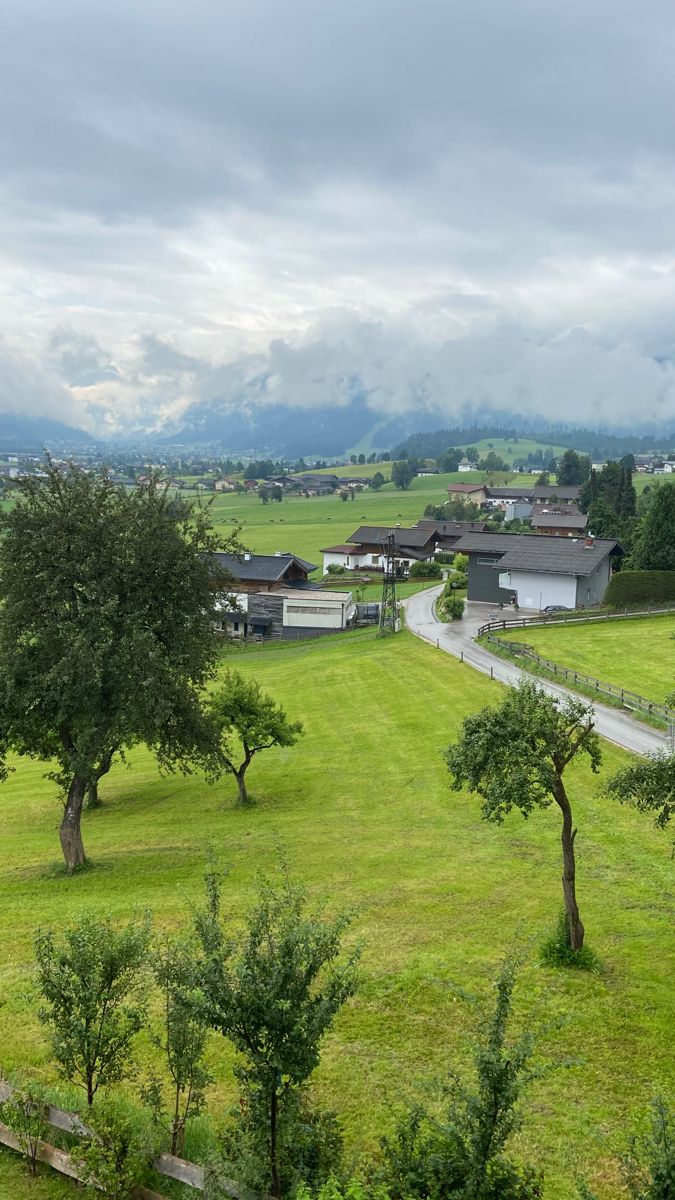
(538, 590)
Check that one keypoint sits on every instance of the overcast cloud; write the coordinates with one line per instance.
(448, 205)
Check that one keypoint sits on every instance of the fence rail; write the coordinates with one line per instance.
(573, 617)
(168, 1165)
(628, 699)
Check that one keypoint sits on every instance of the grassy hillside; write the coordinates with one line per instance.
(305, 524)
(638, 655)
(363, 807)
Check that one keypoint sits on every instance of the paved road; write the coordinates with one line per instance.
(457, 638)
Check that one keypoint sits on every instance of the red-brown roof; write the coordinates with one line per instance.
(466, 487)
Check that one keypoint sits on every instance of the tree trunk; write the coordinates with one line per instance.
(274, 1165)
(70, 833)
(93, 800)
(242, 798)
(574, 924)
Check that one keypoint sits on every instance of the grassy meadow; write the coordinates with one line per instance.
(364, 811)
(638, 654)
(305, 524)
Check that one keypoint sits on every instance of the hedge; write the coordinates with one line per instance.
(628, 588)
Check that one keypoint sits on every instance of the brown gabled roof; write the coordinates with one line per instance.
(466, 487)
(345, 549)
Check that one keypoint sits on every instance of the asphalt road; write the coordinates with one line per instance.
(457, 638)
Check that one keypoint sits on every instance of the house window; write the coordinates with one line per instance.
(236, 627)
(376, 560)
(482, 561)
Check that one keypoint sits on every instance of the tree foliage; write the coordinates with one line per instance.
(402, 474)
(573, 468)
(649, 785)
(106, 634)
(654, 544)
(93, 1008)
(514, 756)
(239, 708)
(274, 993)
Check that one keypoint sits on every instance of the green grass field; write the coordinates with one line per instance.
(638, 655)
(363, 808)
(304, 525)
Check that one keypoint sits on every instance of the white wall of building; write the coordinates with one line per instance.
(538, 589)
(352, 562)
(310, 610)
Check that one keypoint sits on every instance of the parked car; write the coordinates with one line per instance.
(554, 608)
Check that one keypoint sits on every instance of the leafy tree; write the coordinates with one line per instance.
(461, 563)
(493, 462)
(182, 1041)
(89, 982)
(543, 478)
(25, 1112)
(514, 755)
(239, 707)
(462, 1153)
(274, 993)
(362, 460)
(573, 468)
(472, 454)
(378, 481)
(649, 784)
(264, 493)
(402, 474)
(106, 630)
(449, 462)
(604, 521)
(654, 544)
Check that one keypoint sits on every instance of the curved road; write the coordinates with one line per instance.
(457, 638)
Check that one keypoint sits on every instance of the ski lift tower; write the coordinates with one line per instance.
(389, 618)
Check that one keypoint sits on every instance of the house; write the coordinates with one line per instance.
(366, 548)
(558, 523)
(471, 493)
(447, 533)
(251, 485)
(206, 485)
(537, 570)
(465, 465)
(266, 572)
(316, 485)
(288, 613)
(225, 485)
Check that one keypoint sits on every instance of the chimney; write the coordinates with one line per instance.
(588, 544)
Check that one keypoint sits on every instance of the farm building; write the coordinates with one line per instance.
(288, 613)
(266, 572)
(366, 548)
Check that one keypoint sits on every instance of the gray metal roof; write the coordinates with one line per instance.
(536, 552)
(266, 568)
(559, 520)
(452, 528)
(371, 534)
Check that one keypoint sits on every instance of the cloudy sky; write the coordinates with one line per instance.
(447, 205)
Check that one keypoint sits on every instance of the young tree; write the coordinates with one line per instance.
(274, 993)
(514, 755)
(264, 493)
(239, 707)
(573, 468)
(182, 1041)
(648, 784)
(106, 629)
(378, 481)
(462, 1153)
(92, 1003)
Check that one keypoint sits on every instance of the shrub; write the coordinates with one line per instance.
(649, 1167)
(556, 950)
(455, 581)
(25, 1114)
(353, 1189)
(628, 589)
(426, 570)
(335, 569)
(117, 1151)
(452, 607)
(461, 563)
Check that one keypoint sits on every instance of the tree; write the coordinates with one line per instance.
(493, 462)
(106, 630)
(462, 1153)
(378, 481)
(240, 708)
(654, 544)
(264, 493)
(274, 993)
(362, 460)
(573, 468)
(649, 784)
(402, 474)
(543, 478)
(93, 1006)
(603, 520)
(449, 462)
(514, 755)
(182, 1041)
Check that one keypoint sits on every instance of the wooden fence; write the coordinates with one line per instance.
(573, 617)
(628, 699)
(167, 1165)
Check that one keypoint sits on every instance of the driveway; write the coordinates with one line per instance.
(457, 638)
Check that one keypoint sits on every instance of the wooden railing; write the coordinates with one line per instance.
(168, 1165)
(573, 617)
(627, 698)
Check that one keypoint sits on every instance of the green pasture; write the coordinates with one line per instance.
(364, 811)
(305, 524)
(638, 654)
(511, 449)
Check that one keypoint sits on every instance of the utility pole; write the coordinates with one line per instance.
(389, 619)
